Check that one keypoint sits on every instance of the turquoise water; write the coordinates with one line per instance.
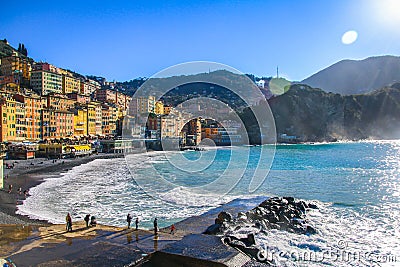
(356, 185)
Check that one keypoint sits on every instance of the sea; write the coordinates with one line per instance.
(355, 184)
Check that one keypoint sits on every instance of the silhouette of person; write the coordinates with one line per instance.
(137, 223)
(68, 219)
(87, 218)
(155, 223)
(129, 220)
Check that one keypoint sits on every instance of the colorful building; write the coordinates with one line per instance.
(70, 84)
(16, 63)
(159, 108)
(79, 98)
(20, 120)
(89, 86)
(57, 124)
(99, 119)
(106, 95)
(109, 119)
(91, 118)
(167, 109)
(59, 102)
(80, 121)
(45, 82)
(33, 105)
(140, 105)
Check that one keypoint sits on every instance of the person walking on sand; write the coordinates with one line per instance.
(137, 223)
(87, 218)
(155, 223)
(172, 232)
(129, 220)
(68, 219)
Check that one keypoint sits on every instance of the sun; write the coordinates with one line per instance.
(387, 12)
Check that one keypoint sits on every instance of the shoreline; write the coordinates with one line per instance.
(29, 173)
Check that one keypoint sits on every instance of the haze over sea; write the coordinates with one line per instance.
(355, 184)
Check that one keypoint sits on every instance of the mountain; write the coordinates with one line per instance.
(357, 76)
(313, 115)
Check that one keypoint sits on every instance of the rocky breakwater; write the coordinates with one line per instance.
(281, 213)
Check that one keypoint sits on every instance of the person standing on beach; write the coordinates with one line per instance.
(87, 218)
(155, 223)
(172, 232)
(129, 220)
(68, 219)
(137, 222)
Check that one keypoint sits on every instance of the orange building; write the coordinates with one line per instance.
(109, 119)
(59, 102)
(57, 124)
(167, 109)
(33, 106)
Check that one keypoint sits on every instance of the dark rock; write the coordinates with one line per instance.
(224, 216)
(310, 230)
(312, 206)
(289, 199)
(213, 229)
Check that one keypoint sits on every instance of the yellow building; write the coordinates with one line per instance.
(159, 108)
(11, 119)
(4, 119)
(70, 84)
(80, 122)
(16, 63)
(91, 118)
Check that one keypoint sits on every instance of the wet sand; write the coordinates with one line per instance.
(99, 245)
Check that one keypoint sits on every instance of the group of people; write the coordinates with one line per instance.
(129, 220)
(93, 222)
(87, 218)
(19, 190)
(155, 224)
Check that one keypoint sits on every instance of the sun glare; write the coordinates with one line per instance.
(387, 12)
(349, 37)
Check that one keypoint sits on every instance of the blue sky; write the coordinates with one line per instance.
(123, 40)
